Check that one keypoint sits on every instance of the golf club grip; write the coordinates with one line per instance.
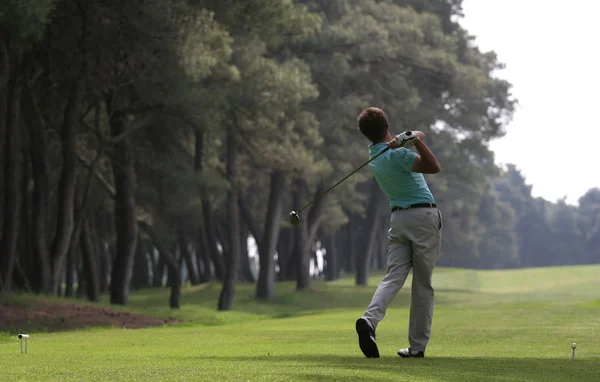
(346, 177)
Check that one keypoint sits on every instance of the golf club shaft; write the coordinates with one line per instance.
(349, 175)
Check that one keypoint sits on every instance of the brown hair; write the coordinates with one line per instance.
(373, 123)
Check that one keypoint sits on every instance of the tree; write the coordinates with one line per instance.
(377, 201)
(498, 247)
(272, 87)
(149, 136)
(532, 228)
(422, 69)
(233, 254)
(589, 225)
(22, 23)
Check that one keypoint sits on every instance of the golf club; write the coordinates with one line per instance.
(295, 215)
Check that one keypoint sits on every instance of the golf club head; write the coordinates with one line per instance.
(294, 218)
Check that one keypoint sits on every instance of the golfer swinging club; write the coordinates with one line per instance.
(415, 231)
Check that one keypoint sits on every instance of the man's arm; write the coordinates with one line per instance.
(425, 162)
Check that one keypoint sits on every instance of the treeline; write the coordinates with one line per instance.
(506, 228)
(533, 232)
(143, 141)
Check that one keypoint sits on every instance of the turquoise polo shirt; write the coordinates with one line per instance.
(393, 172)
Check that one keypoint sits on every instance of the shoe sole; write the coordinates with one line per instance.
(366, 343)
(410, 356)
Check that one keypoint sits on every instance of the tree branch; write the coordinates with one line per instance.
(105, 184)
(6, 68)
(86, 192)
(110, 189)
(144, 109)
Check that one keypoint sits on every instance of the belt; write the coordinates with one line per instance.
(418, 205)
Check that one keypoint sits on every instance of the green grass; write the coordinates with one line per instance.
(488, 325)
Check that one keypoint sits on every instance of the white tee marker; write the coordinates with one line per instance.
(24, 337)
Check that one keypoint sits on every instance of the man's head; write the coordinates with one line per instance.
(373, 123)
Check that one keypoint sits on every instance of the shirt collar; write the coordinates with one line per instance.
(376, 148)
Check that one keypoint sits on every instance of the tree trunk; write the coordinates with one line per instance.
(284, 254)
(369, 234)
(245, 272)
(82, 284)
(70, 271)
(352, 232)
(23, 262)
(301, 244)
(24, 255)
(233, 215)
(280, 262)
(291, 266)
(343, 246)
(331, 259)
(159, 272)
(203, 258)
(175, 276)
(178, 260)
(373, 254)
(123, 166)
(265, 288)
(89, 263)
(74, 247)
(153, 261)
(105, 261)
(305, 233)
(10, 227)
(140, 267)
(187, 256)
(211, 240)
(104, 274)
(67, 183)
(168, 259)
(20, 278)
(5, 80)
(203, 251)
(222, 235)
(39, 164)
(339, 245)
(250, 227)
(383, 245)
(209, 235)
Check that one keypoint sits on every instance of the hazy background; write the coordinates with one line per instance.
(548, 50)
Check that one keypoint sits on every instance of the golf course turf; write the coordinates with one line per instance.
(511, 325)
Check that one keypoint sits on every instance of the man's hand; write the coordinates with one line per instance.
(406, 139)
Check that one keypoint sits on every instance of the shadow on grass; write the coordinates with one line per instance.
(318, 367)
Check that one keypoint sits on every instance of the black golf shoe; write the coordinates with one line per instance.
(366, 338)
(410, 353)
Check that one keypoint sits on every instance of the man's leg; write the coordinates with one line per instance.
(426, 238)
(399, 261)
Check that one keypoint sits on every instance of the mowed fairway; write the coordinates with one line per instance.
(515, 325)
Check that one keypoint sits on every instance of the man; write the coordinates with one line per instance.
(415, 231)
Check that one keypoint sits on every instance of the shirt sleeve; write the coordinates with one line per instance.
(403, 158)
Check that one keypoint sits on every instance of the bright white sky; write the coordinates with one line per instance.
(550, 48)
